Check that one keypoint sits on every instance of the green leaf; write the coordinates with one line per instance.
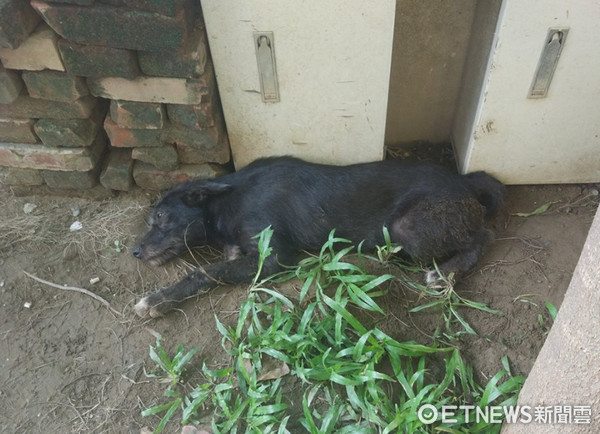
(185, 359)
(436, 303)
(276, 295)
(540, 210)
(551, 310)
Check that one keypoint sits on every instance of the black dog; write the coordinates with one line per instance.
(431, 212)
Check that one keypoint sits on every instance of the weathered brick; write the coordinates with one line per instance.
(69, 132)
(219, 154)
(193, 116)
(97, 193)
(117, 173)
(163, 7)
(17, 21)
(10, 86)
(75, 2)
(150, 89)
(54, 85)
(204, 138)
(39, 51)
(127, 114)
(98, 61)
(14, 176)
(26, 156)
(72, 180)
(151, 178)
(163, 157)
(117, 27)
(131, 138)
(17, 131)
(187, 62)
(27, 107)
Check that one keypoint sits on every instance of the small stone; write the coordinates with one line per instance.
(75, 210)
(29, 207)
(76, 226)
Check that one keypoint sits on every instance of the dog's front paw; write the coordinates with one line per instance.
(147, 306)
(431, 277)
(142, 308)
(434, 280)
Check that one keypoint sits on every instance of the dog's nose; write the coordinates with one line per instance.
(137, 251)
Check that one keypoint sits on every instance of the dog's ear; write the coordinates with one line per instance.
(195, 195)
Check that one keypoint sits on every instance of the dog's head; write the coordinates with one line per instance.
(178, 221)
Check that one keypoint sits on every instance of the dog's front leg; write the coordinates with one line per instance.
(239, 270)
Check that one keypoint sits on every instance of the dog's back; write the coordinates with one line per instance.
(305, 201)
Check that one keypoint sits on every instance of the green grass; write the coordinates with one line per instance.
(354, 377)
(172, 370)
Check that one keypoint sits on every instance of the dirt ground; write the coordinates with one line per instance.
(68, 364)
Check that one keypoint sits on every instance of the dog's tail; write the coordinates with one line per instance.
(489, 191)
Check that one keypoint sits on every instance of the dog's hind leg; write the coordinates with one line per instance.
(449, 229)
(239, 270)
(464, 259)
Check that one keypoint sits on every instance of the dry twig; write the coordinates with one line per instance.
(76, 289)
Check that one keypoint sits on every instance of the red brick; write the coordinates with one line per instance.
(38, 52)
(127, 114)
(151, 89)
(151, 178)
(26, 156)
(54, 85)
(219, 154)
(163, 157)
(117, 173)
(97, 61)
(163, 7)
(10, 86)
(118, 27)
(71, 180)
(27, 107)
(195, 138)
(75, 2)
(187, 62)
(17, 131)
(194, 116)
(131, 138)
(17, 21)
(14, 176)
(70, 132)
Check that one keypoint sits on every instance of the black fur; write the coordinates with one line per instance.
(431, 212)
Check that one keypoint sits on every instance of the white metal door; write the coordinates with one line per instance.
(330, 68)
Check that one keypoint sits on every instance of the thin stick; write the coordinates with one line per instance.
(74, 288)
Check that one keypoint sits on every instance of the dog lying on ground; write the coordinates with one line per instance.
(431, 212)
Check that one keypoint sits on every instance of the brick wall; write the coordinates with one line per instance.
(116, 92)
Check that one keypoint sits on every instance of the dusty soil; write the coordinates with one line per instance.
(68, 364)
